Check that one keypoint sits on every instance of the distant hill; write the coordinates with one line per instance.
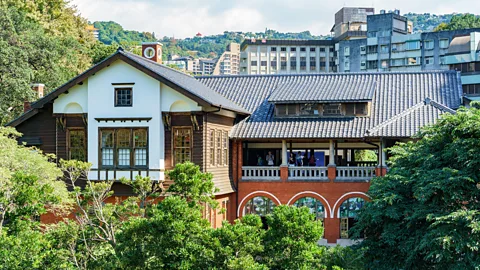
(214, 45)
(427, 22)
(205, 46)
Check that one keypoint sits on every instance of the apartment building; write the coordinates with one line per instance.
(390, 46)
(464, 55)
(229, 62)
(351, 23)
(287, 56)
(197, 67)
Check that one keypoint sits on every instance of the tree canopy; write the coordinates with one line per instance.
(425, 213)
(460, 21)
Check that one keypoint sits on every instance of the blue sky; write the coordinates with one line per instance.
(184, 18)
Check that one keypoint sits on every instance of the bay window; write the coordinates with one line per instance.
(123, 147)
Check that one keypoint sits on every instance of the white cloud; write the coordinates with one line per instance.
(184, 18)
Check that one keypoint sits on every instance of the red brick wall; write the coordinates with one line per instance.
(331, 194)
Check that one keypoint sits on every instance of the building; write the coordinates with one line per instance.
(390, 46)
(197, 67)
(129, 116)
(286, 56)
(464, 55)
(351, 23)
(229, 62)
(94, 31)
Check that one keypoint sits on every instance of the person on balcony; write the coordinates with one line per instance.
(259, 160)
(299, 159)
(270, 159)
(312, 162)
(291, 160)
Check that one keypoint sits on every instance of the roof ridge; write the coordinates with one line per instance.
(425, 102)
(326, 74)
(396, 117)
(156, 63)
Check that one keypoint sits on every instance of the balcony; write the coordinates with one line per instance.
(346, 174)
(315, 161)
(259, 173)
(308, 174)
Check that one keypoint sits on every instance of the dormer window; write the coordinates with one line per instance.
(332, 109)
(123, 97)
(356, 109)
(322, 109)
(309, 109)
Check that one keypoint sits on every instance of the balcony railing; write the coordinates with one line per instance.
(260, 173)
(308, 173)
(355, 173)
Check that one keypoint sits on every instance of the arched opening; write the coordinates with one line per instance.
(180, 106)
(348, 213)
(261, 206)
(315, 206)
(73, 107)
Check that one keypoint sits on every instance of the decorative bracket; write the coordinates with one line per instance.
(167, 121)
(195, 125)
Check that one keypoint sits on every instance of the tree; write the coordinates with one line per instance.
(28, 180)
(175, 237)
(291, 239)
(239, 244)
(191, 184)
(461, 21)
(425, 213)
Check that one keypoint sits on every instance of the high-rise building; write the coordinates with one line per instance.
(229, 62)
(464, 55)
(351, 22)
(286, 56)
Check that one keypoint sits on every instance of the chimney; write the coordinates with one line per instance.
(152, 51)
(38, 88)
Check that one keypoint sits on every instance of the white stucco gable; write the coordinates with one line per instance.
(73, 102)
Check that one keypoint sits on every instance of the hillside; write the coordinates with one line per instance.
(206, 46)
(427, 22)
(214, 45)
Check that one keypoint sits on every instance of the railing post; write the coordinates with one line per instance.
(332, 168)
(284, 173)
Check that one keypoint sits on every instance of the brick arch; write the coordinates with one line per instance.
(315, 195)
(251, 195)
(344, 197)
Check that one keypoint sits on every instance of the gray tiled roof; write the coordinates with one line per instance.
(325, 88)
(186, 82)
(396, 93)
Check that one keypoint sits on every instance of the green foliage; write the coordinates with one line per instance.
(113, 33)
(239, 244)
(291, 240)
(460, 21)
(175, 237)
(365, 155)
(30, 248)
(191, 184)
(427, 22)
(425, 213)
(28, 180)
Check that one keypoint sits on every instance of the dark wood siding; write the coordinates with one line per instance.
(184, 120)
(221, 173)
(41, 125)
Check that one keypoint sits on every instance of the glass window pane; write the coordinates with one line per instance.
(77, 145)
(261, 206)
(107, 157)
(315, 206)
(140, 157)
